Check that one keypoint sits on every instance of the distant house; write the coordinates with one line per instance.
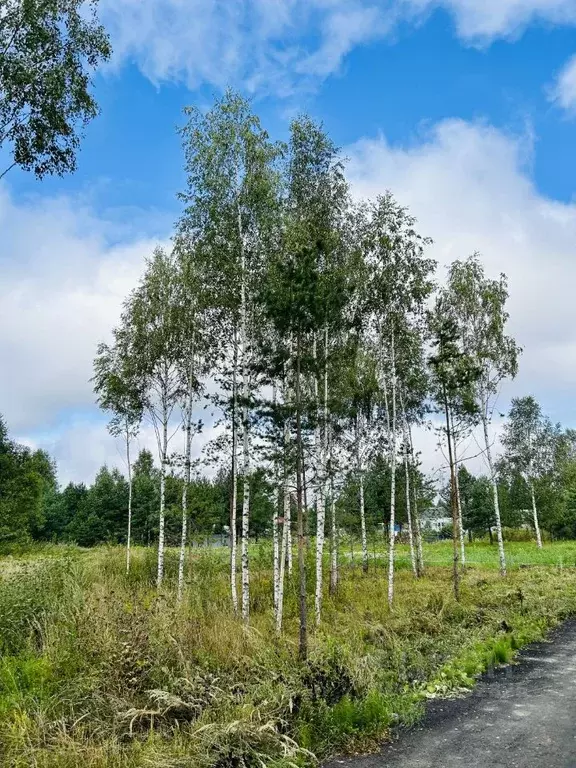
(436, 524)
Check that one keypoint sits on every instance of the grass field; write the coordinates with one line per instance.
(97, 669)
(485, 555)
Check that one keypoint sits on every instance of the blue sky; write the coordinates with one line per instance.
(464, 110)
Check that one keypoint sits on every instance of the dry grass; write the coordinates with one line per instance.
(97, 669)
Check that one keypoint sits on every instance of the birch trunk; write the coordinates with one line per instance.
(458, 500)
(289, 545)
(281, 575)
(392, 538)
(303, 635)
(415, 515)
(408, 511)
(535, 514)
(501, 553)
(360, 469)
(275, 531)
(322, 485)
(245, 519)
(183, 541)
(287, 505)
(129, 533)
(234, 489)
(245, 440)
(284, 559)
(418, 535)
(276, 551)
(453, 504)
(333, 544)
(163, 462)
(187, 478)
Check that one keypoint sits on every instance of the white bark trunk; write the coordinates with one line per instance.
(415, 515)
(322, 442)
(285, 554)
(276, 551)
(287, 507)
(183, 538)
(392, 538)
(245, 517)
(334, 545)
(458, 500)
(501, 553)
(360, 469)
(408, 510)
(245, 431)
(281, 576)
(288, 518)
(129, 534)
(187, 479)
(535, 514)
(320, 528)
(234, 493)
(163, 463)
(275, 530)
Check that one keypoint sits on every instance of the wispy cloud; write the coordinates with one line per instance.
(563, 91)
(281, 46)
(61, 292)
(259, 44)
(482, 21)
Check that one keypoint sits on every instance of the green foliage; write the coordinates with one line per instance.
(27, 481)
(49, 49)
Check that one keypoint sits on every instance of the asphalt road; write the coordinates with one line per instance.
(521, 716)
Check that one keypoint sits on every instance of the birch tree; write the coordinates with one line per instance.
(478, 305)
(363, 415)
(299, 299)
(453, 376)
(359, 422)
(49, 52)
(529, 440)
(412, 396)
(117, 390)
(230, 200)
(195, 363)
(317, 200)
(399, 285)
(152, 337)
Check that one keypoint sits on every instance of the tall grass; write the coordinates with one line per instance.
(98, 669)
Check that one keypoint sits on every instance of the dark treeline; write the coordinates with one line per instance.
(33, 507)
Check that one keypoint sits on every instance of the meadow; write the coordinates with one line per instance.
(99, 669)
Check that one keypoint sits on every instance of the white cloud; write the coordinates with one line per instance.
(260, 44)
(279, 45)
(81, 446)
(61, 292)
(470, 189)
(343, 30)
(564, 89)
(485, 20)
